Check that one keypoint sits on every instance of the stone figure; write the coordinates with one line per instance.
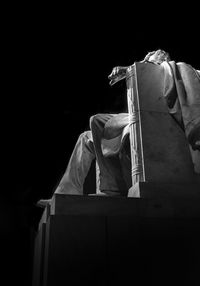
(106, 141)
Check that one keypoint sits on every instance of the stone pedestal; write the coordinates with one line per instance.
(98, 240)
(149, 238)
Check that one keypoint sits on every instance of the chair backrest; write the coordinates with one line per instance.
(159, 148)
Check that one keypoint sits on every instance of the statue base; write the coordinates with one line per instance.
(165, 190)
(100, 240)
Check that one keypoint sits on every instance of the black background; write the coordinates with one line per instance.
(55, 77)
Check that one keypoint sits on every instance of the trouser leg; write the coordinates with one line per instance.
(97, 123)
(125, 161)
(78, 166)
(110, 168)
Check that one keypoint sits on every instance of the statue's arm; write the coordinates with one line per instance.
(118, 73)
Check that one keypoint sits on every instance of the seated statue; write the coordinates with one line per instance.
(107, 143)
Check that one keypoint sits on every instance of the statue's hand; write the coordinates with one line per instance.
(117, 74)
(114, 73)
(117, 71)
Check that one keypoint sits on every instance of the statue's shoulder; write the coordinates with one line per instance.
(182, 64)
(185, 65)
(189, 69)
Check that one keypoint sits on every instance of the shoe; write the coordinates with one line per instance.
(98, 194)
(106, 193)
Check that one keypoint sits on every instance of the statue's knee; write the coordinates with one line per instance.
(86, 136)
(93, 119)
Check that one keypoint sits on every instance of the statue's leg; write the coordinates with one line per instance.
(78, 166)
(125, 161)
(110, 170)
